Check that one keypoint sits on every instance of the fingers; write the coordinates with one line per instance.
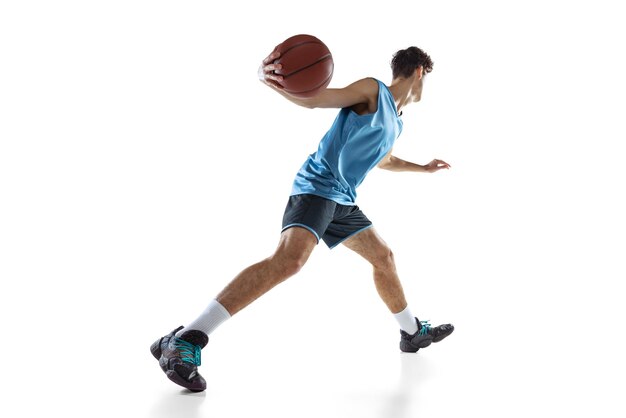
(271, 57)
(440, 164)
(267, 70)
(436, 165)
(272, 67)
(272, 76)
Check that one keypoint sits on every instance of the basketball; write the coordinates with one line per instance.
(307, 65)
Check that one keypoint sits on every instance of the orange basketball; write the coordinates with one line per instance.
(307, 65)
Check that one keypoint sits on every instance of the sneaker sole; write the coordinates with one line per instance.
(407, 347)
(174, 377)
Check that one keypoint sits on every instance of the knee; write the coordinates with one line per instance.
(292, 266)
(287, 265)
(384, 259)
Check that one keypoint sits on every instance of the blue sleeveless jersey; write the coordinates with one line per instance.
(349, 150)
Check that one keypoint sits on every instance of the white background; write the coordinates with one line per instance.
(142, 166)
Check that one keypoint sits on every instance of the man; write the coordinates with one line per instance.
(322, 206)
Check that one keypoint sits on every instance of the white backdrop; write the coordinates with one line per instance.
(143, 165)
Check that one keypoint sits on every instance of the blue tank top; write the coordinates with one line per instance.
(349, 150)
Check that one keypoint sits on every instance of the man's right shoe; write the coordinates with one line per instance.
(411, 343)
(179, 357)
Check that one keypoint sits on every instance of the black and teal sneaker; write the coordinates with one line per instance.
(179, 357)
(425, 335)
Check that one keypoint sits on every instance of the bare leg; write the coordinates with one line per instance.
(295, 246)
(371, 246)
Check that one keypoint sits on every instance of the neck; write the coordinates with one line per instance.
(401, 90)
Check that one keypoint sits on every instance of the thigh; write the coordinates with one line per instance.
(295, 244)
(369, 245)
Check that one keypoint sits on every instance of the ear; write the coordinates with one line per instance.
(419, 72)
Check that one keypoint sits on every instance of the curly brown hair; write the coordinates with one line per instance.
(406, 61)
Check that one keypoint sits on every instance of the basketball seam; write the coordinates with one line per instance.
(324, 58)
(282, 54)
(316, 87)
(299, 44)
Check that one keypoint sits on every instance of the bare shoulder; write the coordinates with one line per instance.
(368, 89)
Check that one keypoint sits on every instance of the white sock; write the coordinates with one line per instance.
(209, 320)
(407, 321)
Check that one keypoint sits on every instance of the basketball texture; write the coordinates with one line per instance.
(307, 65)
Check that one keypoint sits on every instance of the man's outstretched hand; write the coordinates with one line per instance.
(266, 71)
(436, 165)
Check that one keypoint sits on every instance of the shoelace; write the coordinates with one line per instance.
(189, 353)
(425, 328)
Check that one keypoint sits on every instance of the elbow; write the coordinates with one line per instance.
(384, 164)
(389, 162)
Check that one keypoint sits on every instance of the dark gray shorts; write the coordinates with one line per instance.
(328, 220)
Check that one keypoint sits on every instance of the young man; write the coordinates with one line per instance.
(322, 206)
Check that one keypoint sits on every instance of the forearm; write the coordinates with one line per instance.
(300, 102)
(398, 164)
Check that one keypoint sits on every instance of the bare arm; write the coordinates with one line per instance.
(362, 91)
(393, 163)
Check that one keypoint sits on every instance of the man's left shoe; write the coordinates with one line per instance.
(179, 357)
(426, 334)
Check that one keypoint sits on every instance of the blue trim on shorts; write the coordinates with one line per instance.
(351, 235)
(305, 227)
